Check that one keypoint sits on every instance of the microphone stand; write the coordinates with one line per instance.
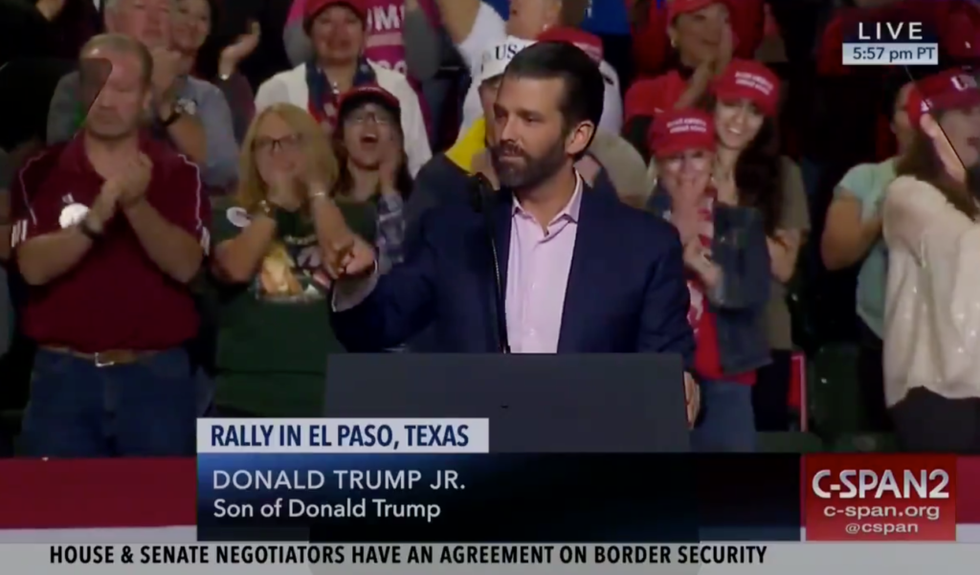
(482, 190)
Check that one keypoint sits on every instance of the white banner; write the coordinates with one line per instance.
(405, 559)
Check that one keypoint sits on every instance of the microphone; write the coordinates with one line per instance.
(481, 191)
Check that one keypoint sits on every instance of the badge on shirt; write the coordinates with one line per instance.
(72, 215)
(238, 217)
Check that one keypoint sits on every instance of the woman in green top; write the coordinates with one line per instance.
(273, 308)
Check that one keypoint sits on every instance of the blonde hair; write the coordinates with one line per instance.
(320, 154)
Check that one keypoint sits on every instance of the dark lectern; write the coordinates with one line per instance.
(586, 403)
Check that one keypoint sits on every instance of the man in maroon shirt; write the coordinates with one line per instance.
(113, 227)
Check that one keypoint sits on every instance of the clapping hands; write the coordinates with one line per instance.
(241, 48)
(125, 189)
(697, 258)
(131, 182)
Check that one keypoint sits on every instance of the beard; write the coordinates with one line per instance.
(530, 172)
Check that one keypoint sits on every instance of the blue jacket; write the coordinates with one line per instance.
(626, 289)
(739, 247)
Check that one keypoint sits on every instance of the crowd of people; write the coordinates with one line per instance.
(206, 200)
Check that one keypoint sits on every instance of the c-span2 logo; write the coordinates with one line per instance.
(880, 497)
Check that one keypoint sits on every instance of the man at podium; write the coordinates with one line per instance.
(546, 265)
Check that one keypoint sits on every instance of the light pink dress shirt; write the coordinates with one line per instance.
(537, 276)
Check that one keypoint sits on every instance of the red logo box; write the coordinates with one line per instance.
(865, 497)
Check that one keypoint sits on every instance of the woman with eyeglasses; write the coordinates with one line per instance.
(274, 335)
(372, 166)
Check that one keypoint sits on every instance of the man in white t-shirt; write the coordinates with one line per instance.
(474, 25)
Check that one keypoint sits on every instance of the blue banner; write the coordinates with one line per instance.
(496, 498)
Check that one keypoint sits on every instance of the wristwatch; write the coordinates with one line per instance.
(173, 117)
(181, 107)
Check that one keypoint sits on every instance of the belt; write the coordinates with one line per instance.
(105, 358)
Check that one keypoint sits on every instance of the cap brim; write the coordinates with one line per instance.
(956, 100)
(357, 100)
(743, 93)
(666, 151)
(489, 78)
(689, 7)
(308, 20)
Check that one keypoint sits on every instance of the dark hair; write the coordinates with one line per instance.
(759, 173)
(922, 162)
(895, 79)
(345, 180)
(584, 85)
(891, 86)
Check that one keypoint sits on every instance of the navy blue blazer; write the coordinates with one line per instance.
(626, 288)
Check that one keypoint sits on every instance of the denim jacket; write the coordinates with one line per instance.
(739, 248)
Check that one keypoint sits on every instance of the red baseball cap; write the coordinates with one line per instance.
(360, 95)
(676, 131)
(314, 7)
(752, 81)
(588, 43)
(943, 91)
(677, 7)
(651, 96)
(960, 37)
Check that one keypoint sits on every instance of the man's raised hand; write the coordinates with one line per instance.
(350, 257)
(692, 397)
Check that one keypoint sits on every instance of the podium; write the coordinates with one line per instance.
(581, 403)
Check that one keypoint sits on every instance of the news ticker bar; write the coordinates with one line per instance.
(408, 559)
(497, 497)
(411, 554)
(584, 498)
(888, 54)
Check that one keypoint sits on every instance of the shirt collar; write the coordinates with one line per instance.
(571, 209)
(75, 159)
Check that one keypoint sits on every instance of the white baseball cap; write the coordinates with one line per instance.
(496, 58)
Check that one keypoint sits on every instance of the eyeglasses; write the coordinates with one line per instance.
(365, 117)
(267, 145)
